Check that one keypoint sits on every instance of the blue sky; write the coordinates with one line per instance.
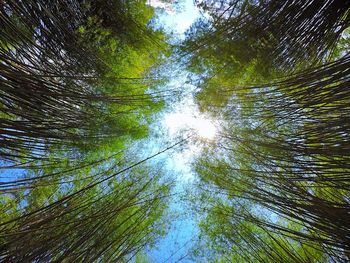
(183, 231)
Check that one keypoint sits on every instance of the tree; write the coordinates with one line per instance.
(283, 147)
(71, 81)
(77, 86)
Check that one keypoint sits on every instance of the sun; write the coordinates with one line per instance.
(203, 127)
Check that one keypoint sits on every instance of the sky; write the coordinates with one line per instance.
(186, 117)
(176, 20)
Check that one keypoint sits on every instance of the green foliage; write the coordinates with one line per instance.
(277, 178)
(78, 87)
(74, 82)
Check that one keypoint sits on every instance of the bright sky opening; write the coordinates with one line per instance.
(177, 21)
(204, 128)
(186, 117)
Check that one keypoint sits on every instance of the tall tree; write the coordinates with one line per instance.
(280, 88)
(77, 85)
(74, 72)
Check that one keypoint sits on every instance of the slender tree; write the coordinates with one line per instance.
(280, 88)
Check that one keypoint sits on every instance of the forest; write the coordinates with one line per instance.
(85, 86)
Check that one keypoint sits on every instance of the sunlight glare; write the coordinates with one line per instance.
(203, 127)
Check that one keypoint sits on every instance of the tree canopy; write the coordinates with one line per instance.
(82, 82)
(276, 74)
